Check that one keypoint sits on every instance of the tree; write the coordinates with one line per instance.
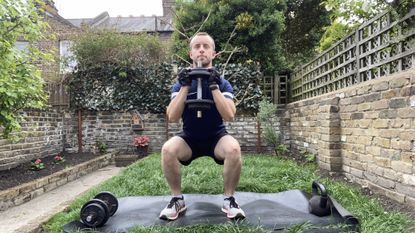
(21, 85)
(248, 30)
(305, 21)
(346, 15)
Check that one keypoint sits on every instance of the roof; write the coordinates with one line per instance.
(127, 24)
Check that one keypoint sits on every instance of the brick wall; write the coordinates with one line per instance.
(42, 134)
(115, 130)
(366, 132)
(49, 131)
(59, 29)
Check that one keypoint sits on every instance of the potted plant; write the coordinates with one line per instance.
(141, 145)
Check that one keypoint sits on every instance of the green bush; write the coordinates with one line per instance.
(266, 116)
(94, 47)
(102, 147)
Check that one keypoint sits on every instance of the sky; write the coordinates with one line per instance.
(71, 9)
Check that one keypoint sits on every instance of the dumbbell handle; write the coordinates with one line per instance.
(90, 217)
(199, 89)
(199, 95)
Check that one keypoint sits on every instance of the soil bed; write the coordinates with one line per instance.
(23, 173)
(389, 204)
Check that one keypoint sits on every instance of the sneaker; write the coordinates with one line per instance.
(232, 209)
(173, 209)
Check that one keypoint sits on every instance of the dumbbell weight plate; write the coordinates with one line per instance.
(200, 104)
(110, 200)
(94, 213)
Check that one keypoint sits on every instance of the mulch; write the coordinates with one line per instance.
(24, 174)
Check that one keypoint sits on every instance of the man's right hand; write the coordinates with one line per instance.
(184, 78)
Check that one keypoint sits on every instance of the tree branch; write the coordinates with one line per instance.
(174, 28)
(244, 96)
(182, 59)
(204, 21)
(236, 49)
(230, 37)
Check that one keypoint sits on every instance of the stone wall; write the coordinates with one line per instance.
(42, 134)
(116, 131)
(50, 131)
(366, 132)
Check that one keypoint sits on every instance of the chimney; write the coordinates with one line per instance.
(168, 8)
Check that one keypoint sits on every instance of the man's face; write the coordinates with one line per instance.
(202, 50)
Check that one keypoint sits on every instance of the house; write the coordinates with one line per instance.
(63, 29)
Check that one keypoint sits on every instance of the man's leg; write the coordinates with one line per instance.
(228, 149)
(173, 150)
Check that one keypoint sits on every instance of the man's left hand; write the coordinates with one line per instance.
(214, 79)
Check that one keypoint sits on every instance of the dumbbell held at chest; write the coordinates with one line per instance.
(199, 74)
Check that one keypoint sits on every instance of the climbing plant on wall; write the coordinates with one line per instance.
(118, 71)
(124, 72)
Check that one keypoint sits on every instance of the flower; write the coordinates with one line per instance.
(37, 165)
(141, 141)
(58, 159)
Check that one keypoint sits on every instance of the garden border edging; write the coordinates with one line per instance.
(23, 193)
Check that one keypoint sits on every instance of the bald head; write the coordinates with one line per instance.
(212, 42)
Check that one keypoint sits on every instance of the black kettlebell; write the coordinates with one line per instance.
(318, 204)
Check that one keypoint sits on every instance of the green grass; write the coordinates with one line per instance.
(260, 173)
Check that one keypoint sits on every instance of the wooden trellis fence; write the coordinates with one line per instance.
(58, 94)
(377, 48)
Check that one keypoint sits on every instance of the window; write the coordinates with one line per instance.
(22, 45)
(68, 61)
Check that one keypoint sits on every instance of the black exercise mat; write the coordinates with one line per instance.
(275, 211)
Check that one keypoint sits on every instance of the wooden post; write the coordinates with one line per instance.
(79, 131)
(167, 127)
(258, 141)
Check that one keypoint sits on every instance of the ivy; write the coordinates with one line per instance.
(110, 87)
(119, 72)
(245, 80)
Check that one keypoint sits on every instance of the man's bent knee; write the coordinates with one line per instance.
(175, 149)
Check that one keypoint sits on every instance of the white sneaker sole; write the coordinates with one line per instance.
(236, 216)
(172, 218)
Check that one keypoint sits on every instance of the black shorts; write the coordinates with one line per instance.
(202, 148)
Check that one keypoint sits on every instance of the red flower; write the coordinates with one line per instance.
(141, 141)
(38, 161)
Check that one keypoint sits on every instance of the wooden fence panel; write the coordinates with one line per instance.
(377, 48)
(58, 94)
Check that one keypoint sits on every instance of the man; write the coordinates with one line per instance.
(201, 136)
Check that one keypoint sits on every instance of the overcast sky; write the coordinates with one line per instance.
(70, 9)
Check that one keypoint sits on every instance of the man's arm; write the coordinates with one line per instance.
(176, 106)
(226, 107)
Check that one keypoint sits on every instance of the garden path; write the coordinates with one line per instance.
(29, 216)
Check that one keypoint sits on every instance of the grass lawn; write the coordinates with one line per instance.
(260, 173)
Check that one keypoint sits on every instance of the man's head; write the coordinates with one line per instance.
(202, 48)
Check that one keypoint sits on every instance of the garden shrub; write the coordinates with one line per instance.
(266, 116)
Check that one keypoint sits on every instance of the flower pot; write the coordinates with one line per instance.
(141, 150)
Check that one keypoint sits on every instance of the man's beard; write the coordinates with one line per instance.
(203, 62)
